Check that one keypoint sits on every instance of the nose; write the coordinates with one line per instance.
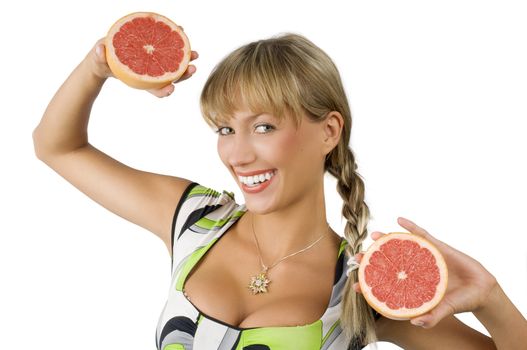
(240, 151)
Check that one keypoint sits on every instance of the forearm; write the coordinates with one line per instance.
(504, 322)
(64, 124)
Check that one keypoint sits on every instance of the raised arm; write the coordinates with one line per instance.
(61, 142)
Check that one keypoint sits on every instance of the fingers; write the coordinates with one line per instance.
(169, 89)
(376, 235)
(162, 92)
(97, 60)
(356, 287)
(100, 42)
(412, 227)
(100, 53)
(191, 69)
(193, 54)
(359, 256)
(431, 318)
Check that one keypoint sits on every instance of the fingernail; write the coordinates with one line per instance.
(418, 323)
(405, 219)
(98, 51)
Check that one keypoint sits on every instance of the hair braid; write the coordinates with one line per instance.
(357, 319)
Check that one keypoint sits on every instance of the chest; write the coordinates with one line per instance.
(298, 293)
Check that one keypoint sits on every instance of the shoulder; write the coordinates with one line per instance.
(200, 215)
(200, 202)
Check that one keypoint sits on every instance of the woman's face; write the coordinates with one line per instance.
(288, 162)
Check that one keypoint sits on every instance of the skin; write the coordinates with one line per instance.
(148, 200)
(471, 288)
(264, 142)
(261, 143)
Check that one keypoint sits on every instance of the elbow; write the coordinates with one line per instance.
(38, 147)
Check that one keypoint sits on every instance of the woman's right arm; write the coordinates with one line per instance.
(61, 141)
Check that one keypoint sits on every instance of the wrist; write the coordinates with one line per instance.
(503, 320)
(492, 301)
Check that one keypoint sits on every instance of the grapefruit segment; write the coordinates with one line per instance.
(402, 275)
(146, 50)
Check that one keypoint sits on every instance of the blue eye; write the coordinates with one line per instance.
(266, 125)
(220, 132)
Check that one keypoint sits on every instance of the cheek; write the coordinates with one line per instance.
(301, 152)
(222, 150)
(288, 149)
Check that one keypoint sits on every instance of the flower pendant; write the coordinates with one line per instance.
(259, 283)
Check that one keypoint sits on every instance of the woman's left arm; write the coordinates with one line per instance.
(503, 320)
(471, 288)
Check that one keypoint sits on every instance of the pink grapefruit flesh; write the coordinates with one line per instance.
(402, 275)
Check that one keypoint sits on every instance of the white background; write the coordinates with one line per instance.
(438, 96)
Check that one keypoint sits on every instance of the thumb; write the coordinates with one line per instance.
(432, 318)
(418, 230)
(100, 52)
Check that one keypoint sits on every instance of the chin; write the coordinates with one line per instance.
(257, 207)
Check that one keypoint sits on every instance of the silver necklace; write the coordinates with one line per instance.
(260, 282)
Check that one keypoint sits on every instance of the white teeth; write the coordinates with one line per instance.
(255, 179)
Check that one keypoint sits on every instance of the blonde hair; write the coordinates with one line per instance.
(289, 75)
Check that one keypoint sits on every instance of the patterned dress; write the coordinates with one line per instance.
(202, 216)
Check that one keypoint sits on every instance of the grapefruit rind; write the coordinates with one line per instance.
(403, 313)
(143, 81)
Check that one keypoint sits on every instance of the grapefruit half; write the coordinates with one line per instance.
(146, 50)
(402, 275)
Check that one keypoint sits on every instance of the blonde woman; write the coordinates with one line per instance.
(269, 273)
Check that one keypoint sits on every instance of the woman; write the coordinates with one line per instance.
(278, 279)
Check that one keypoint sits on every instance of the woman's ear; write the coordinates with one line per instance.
(333, 125)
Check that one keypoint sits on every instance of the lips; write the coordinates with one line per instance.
(257, 188)
(255, 172)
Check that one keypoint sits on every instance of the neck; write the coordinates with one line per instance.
(290, 229)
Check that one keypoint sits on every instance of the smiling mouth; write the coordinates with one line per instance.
(255, 180)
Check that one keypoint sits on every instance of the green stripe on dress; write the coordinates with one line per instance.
(202, 190)
(342, 245)
(191, 261)
(330, 331)
(208, 224)
(308, 337)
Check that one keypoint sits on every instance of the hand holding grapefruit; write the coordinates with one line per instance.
(470, 286)
(147, 51)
